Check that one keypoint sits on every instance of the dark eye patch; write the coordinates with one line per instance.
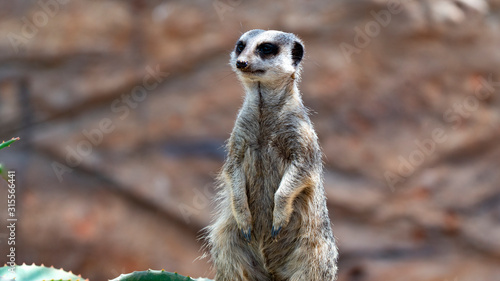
(240, 46)
(267, 49)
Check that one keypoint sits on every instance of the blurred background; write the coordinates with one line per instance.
(123, 108)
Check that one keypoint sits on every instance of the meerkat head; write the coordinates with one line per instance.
(267, 56)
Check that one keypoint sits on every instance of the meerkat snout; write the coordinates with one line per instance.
(241, 64)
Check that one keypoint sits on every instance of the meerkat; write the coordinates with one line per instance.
(271, 222)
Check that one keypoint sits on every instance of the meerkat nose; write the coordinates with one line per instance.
(241, 64)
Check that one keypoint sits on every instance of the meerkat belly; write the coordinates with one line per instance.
(264, 171)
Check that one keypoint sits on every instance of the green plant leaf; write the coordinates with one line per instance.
(3, 173)
(155, 275)
(36, 273)
(8, 143)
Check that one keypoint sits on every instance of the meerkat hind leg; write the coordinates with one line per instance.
(237, 262)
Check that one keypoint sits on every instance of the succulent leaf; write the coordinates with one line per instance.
(155, 275)
(36, 273)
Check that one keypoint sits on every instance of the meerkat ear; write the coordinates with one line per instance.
(297, 53)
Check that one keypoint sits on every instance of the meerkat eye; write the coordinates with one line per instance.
(240, 46)
(268, 49)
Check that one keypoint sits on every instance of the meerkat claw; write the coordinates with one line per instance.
(247, 234)
(275, 232)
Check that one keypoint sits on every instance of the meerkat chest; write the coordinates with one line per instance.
(271, 140)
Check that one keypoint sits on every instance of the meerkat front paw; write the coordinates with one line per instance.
(275, 232)
(247, 234)
(279, 221)
(281, 216)
(244, 221)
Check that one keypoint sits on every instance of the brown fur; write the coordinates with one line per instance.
(272, 177)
